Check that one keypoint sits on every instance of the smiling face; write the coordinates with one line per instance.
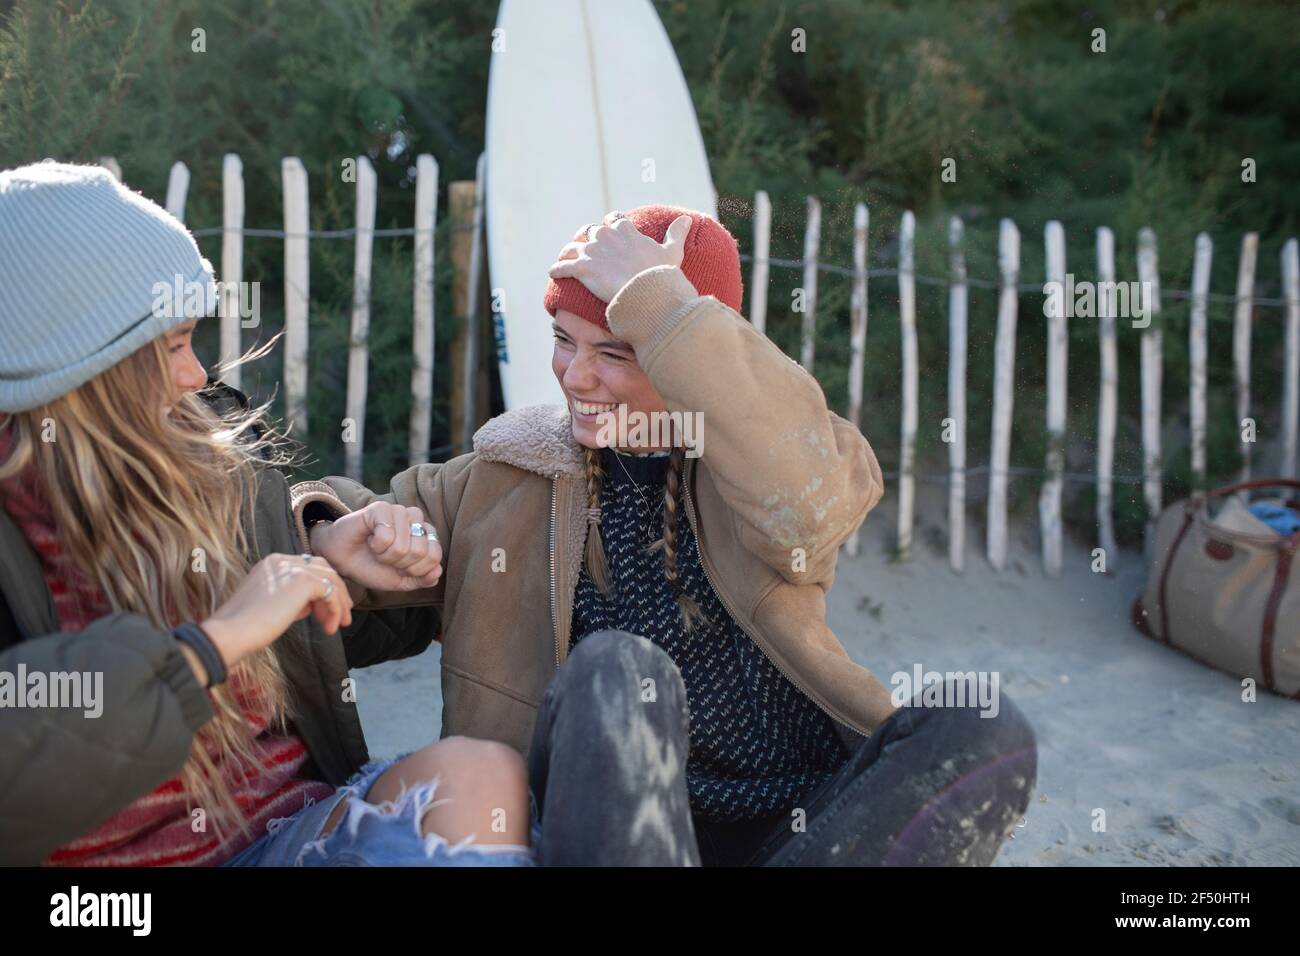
(598, 373)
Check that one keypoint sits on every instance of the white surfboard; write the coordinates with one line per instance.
(587, 112)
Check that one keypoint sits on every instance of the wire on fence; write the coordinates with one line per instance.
(887, 273)
(348, 233)
(942, 477)
(831, 267)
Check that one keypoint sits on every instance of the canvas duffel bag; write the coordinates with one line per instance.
(1225, 595)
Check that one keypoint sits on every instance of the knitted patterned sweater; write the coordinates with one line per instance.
(757, 743)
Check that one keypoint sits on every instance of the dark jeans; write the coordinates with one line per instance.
(932, 786)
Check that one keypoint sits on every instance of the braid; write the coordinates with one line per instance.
(597, 566)
(691, 612)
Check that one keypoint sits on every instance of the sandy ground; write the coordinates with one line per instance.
(1185, 772)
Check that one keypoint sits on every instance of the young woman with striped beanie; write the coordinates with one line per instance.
(149, 558)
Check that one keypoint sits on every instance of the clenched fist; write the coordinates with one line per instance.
(375, 547)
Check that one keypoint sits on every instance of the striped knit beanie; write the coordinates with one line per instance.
(711, 261)
(91, 271)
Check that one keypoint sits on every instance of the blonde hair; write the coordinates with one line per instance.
(139, 498)
(598, 567)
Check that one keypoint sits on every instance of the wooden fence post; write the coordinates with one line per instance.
(232, 263)
(422, 343)
(461, 201)
(907, 324)
(762, 252)
(468, 379)
(359, 339)
(957, 299)
(1148, 263)
(297, 292)
(1049, 499)
(858, 334)
(1241, 341)
(1108, 403)
(178, 185)
(1004, 368)
(470, 410)
(1291, 370)
(1197, 347)
(811, 245)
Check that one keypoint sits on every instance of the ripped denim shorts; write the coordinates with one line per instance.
(386, 834)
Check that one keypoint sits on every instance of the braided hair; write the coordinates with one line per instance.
(597, 566)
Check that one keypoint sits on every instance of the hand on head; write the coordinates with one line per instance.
(614, 252)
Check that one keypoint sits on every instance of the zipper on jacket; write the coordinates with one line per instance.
(690, 510)
(555, 612)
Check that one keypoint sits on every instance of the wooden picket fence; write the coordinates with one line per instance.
(297, 234)
(1009, 288)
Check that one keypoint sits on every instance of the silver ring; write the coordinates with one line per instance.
(329, 587)
(417, 530)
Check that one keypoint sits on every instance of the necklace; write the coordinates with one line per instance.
(637, 488)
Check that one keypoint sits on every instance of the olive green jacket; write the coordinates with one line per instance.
(63, 773)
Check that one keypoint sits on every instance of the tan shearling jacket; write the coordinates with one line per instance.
(781, 483)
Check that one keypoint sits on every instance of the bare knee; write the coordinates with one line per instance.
(487, 786)
(482, 789)
(474, 764)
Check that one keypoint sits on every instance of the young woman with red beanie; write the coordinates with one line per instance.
(647, 623)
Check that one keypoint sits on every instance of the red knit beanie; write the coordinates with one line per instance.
(711, 261)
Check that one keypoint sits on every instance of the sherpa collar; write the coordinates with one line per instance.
(537, 438)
